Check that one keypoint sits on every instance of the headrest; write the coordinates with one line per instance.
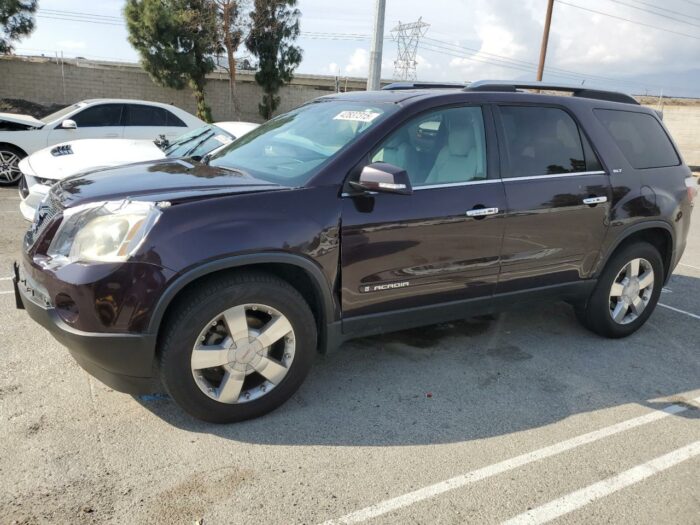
(460, 139)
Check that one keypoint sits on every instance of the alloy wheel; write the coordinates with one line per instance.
(631, 291)
(243, 353)
(9, 170)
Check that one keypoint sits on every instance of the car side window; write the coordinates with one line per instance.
(447, 146)
(99, 116)
(544, 141)
(173, 120)
(144, 115)
(641, 138)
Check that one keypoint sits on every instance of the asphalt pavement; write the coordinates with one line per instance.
(527, 417)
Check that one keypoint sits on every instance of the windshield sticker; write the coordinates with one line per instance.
(223, 139)
(357, 116)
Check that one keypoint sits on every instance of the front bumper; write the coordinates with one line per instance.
(124, 362)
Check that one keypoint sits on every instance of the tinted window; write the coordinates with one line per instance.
(174, 121)
(141, 115)
(543, 141)
(99, 116)
(641, 138)
(441, 147)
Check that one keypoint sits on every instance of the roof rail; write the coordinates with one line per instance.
(576, 91)
(395, 86)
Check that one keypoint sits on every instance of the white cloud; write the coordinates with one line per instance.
(333, 68)
(359, 63)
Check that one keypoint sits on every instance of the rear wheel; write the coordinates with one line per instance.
(626, 293)
(237, 348)
(9, 161)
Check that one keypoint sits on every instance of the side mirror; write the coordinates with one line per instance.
(384, 178)
(69, 124)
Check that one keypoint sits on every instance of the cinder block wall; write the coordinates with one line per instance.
(47, 82)
(684, 124)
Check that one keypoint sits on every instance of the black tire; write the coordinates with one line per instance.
(197, 308)
(595, 314)
(7, 151)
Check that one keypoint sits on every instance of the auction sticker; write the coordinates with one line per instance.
(223, 139)
(357, 116)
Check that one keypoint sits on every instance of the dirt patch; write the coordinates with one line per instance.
(190, 500)
(25, 107)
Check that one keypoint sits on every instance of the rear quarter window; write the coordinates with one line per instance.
(640, 137)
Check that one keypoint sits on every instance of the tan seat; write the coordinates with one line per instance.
(457, 160)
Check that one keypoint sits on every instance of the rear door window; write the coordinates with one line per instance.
(544, 141)
(640, 137)
(142, 115)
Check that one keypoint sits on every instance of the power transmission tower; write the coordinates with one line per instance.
(407, 38)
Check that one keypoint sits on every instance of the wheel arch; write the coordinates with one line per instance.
(298, 271)
(13, 146)
(660, 234)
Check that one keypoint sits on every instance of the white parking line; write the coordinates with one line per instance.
(679, 310)
(689, 266)
(586, 495)
(4, 293)
(431, 491)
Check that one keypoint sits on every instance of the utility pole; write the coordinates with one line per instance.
(375, 57)
(545, 39)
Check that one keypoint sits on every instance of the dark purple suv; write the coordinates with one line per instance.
(355, 214)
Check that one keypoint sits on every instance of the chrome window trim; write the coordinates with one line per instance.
(554, 176)
(454, 184)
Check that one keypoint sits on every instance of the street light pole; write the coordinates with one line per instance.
(545, 40)
(375, 57)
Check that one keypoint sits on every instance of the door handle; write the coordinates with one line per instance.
(595, 200)
(482, 212)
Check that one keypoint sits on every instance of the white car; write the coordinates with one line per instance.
(22, 135)
(47, 166)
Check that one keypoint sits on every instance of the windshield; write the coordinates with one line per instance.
(58, 114)
(291, 148)
(198, 142)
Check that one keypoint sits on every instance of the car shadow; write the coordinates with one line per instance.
(472, 379)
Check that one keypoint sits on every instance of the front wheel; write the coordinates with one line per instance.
(9, 165)
(237, 348)
(627, 292)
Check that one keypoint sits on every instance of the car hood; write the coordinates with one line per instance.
(70, 158)
(21, 119)
(164, 180)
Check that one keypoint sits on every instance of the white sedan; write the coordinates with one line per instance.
(22, 135)
(46, 167)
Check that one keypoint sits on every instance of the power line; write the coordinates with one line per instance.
(655, 13)
(531, 66)
(628, 20)
(666, 10)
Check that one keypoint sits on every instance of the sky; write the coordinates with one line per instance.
(466, 40)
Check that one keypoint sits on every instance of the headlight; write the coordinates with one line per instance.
(103, 231)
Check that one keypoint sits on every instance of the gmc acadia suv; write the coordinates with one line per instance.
(355, 214)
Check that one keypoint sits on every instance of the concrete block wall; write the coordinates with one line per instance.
(45, 81)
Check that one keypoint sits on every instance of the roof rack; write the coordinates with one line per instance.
(576, 91)
(396, 86)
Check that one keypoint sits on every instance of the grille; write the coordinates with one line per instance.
(44, 216)
(59, 151)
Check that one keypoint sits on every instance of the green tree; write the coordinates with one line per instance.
(274, 29)
(16, 21)
(232, 25)
(176, 40)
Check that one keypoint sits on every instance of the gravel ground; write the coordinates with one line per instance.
(382, 418)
